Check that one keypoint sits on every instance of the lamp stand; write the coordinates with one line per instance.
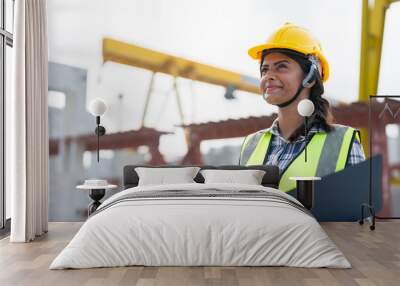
(100, 131)
(305, 137)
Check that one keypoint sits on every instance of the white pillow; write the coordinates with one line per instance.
(162, 176)
(248, 177)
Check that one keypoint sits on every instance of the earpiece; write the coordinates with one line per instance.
(311, 76)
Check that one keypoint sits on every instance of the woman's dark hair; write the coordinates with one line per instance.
(322, 115)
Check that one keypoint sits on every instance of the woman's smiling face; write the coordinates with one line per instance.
(281, 77)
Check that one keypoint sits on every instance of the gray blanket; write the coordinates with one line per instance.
(206, 193)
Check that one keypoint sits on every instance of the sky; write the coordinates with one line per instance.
(218, 33)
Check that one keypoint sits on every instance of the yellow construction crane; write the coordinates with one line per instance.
(155, 61)
(129, 54)
(373, 23)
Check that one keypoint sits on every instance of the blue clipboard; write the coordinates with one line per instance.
(338, 197)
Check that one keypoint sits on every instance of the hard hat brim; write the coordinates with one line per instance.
(256, 53)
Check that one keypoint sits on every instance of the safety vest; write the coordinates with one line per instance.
(326, 154)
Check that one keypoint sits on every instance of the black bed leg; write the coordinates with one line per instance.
(371, 212)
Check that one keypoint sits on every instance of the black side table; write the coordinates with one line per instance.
(305, 190)
(96, 193)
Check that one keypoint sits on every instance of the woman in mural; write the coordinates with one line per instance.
(293, 68)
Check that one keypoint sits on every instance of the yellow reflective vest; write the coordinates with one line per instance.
(326, 154)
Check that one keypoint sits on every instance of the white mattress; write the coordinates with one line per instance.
(185, 231)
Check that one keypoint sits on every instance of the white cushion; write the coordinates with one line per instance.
(248, 177)
(162, 176)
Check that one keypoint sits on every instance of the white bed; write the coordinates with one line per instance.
(252, 225)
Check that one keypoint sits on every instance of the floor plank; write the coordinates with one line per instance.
(374, 255)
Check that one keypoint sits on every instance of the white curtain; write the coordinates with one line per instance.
(27, 123)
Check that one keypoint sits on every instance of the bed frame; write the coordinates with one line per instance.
(270, 179)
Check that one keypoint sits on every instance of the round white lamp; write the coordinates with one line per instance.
(305, 108)
(98, 107)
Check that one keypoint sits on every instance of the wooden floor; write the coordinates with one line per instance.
(375, 256)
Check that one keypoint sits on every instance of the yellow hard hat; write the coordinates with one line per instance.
(294, 38)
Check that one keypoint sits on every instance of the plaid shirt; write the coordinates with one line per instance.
(281, 151)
